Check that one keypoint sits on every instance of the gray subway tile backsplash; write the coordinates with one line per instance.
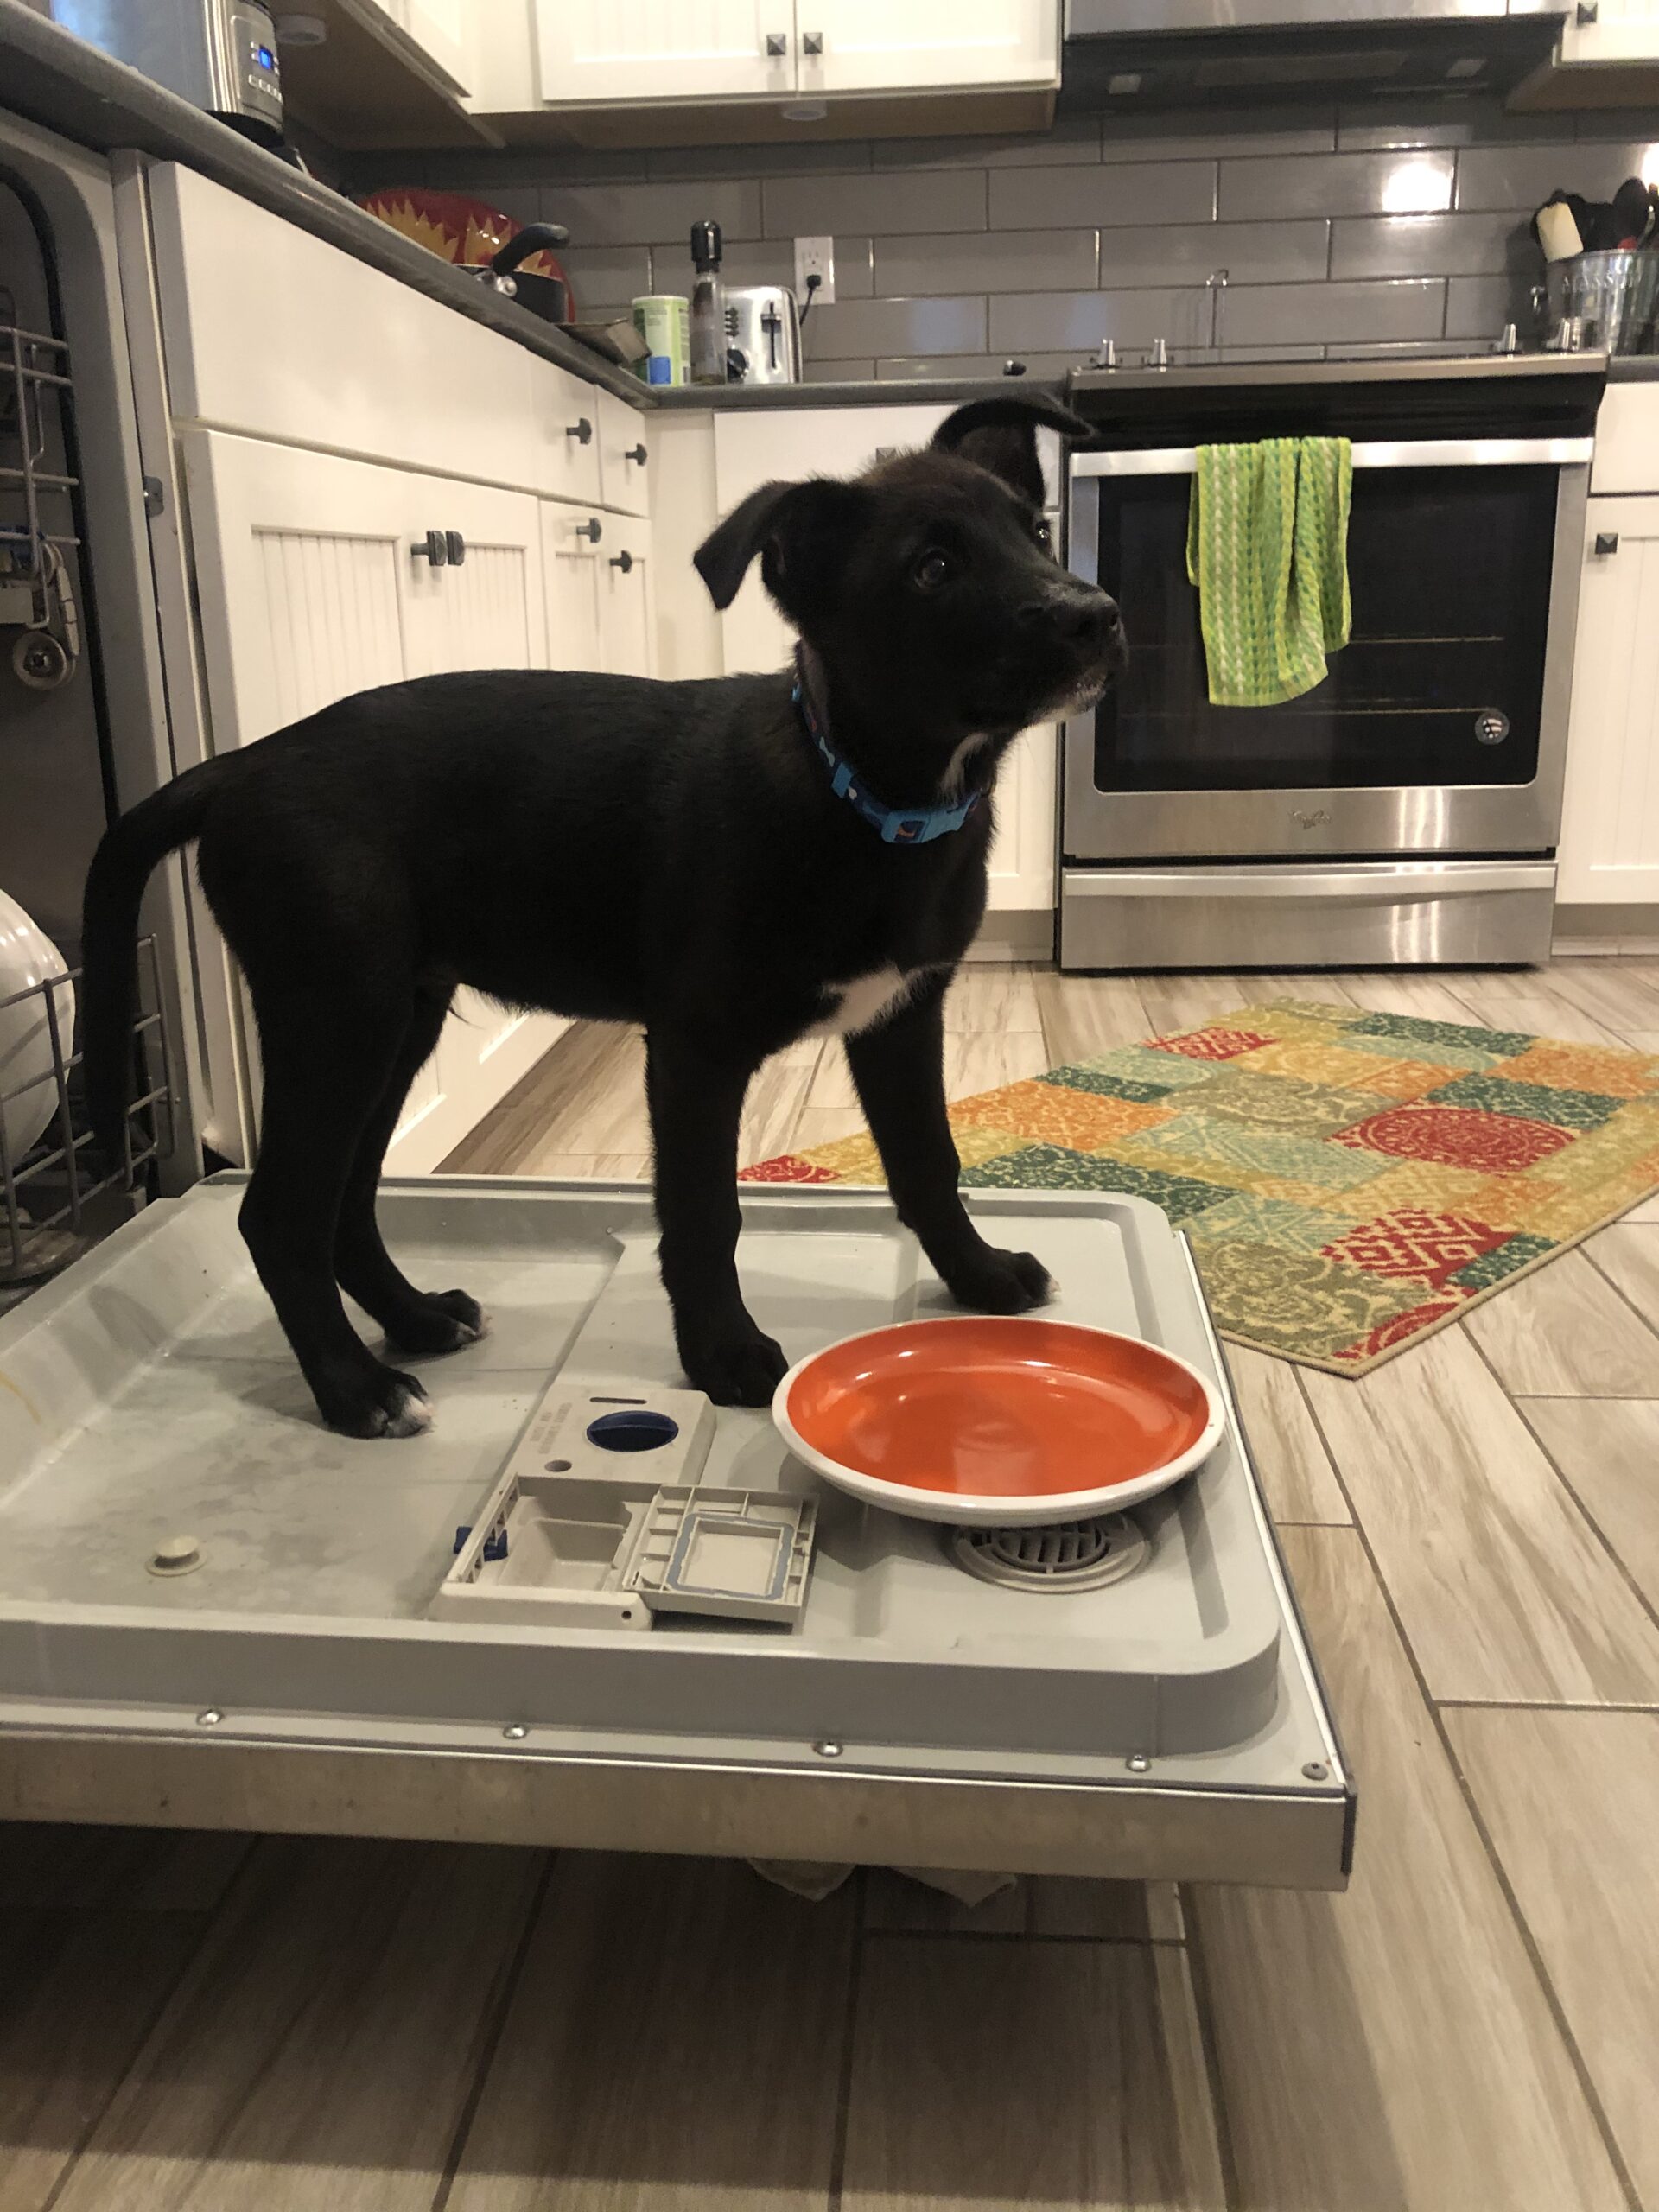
(1338, 184)
(1107, 193)
(995, 261)
(1424, 245)
(930, 200)
(1523, 177)
(1249, 253)
(1334, 315)
(1382, 225)
(921, 325)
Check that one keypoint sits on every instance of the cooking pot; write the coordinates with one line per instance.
(471, 235)
(547, 297)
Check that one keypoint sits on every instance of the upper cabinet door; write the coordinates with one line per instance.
(444, 32)
(867, 46)
(613, 50)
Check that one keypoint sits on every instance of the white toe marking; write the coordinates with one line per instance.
(414, 1417)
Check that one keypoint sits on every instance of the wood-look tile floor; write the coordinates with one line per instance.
(228, 2021)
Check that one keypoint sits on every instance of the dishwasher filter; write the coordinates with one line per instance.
(588, 1608)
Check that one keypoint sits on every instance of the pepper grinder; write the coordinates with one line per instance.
(708, 306)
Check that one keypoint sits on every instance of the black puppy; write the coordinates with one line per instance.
(722, 862)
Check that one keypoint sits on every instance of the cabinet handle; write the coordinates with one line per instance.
(636, 453)
(456, 545)
(1606, 541)
(812, 42)
(581, 431)
(434, 547)
(777, 46)
(590, 530)
(623, 561)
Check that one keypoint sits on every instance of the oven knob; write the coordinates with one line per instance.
(1492, 728)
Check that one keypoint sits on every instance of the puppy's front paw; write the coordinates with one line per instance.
(383, 1403)
(446, 1321)
(1002, 1282)
(736, 1371)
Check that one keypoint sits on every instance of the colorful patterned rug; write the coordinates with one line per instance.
(1349, 1180)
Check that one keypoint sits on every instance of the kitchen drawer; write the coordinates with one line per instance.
(624, 455)
(321, 350)
(1627, 440)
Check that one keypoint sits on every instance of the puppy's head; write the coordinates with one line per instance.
(928, 586)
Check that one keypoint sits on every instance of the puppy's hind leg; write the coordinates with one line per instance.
(416, 1321)
(328, 1060)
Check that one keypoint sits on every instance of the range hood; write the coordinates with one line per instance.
(1129, 53)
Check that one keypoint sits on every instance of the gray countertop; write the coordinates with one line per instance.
(892, 391)
(50, 77)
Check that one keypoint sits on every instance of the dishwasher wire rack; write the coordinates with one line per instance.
(65, 1192)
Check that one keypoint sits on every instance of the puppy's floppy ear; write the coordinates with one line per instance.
(1001, 434)
(802, 532)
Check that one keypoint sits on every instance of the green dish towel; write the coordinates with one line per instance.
(1267, 545)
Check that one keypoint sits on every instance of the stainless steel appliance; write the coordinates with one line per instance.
(1407, 809)
(763, 335)
(219, 54)
(1144, 52)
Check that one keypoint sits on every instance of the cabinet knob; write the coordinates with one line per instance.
(456, 546)
(1606, 541)
(590, 530)
(636, 453)
(623, 561)
(776, 45)
(812, 42)
(581, 431)
(434, 547)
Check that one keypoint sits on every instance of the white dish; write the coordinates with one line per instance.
(28, 957)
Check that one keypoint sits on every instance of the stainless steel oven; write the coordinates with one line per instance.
(1408, 808)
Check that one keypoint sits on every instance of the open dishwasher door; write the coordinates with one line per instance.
(215, 1613)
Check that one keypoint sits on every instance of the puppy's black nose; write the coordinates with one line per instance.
(1084, 618)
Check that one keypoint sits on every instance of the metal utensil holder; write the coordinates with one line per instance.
(50, 1208)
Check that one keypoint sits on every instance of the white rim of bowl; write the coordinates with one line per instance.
(994, 1509)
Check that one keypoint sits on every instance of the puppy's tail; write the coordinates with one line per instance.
(115, 887)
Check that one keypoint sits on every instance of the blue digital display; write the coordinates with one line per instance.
(265, 57)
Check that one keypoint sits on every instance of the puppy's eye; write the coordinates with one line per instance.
(933, 569)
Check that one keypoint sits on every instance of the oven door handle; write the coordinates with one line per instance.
(1392, 453)
(1265, 880)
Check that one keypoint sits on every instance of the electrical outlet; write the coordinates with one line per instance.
(815, 257)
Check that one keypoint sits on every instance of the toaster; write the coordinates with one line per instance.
(763, 335)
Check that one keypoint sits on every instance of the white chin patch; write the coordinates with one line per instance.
(863, 1002)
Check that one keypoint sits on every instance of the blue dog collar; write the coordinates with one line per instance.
(898, 825)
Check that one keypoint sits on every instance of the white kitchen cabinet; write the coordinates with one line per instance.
(1612, 31)
(443, 32)
(1610, 828)
(616, 51)
(751, 449)
(886, 45)
(571, 545)
(309, 589)
(624, 455)
(626, 578)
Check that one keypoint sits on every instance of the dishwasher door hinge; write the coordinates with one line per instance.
(153, 498)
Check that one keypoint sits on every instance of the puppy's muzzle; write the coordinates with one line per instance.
(1080, 620)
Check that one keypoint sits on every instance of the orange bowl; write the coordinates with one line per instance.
(1011, 1422)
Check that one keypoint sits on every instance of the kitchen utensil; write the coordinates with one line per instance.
(763, 335)
(27, 959)
(1009, 1423)
(470, 234)
(1605, 302)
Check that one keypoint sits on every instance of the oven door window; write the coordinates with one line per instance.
(1449, 570)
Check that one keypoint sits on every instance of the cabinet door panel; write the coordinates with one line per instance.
(571, 564)
(612, 50)
(1609, 826)
(624, 603)
(625, 479)
(905, 45)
